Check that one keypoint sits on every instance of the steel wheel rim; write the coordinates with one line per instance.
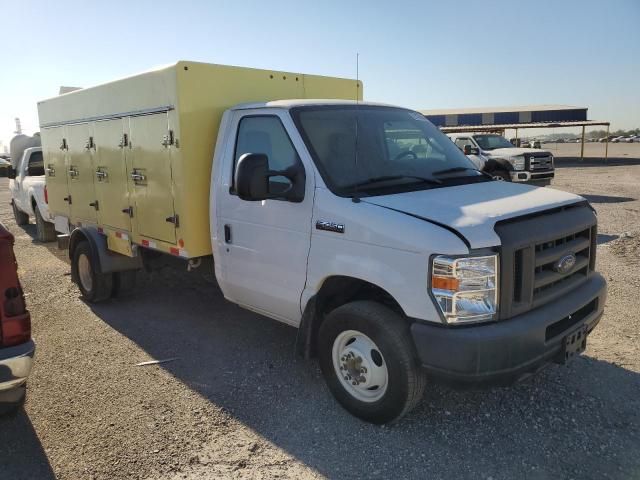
(84, 272)
(360, 366)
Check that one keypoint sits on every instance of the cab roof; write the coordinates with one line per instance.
(287, 104)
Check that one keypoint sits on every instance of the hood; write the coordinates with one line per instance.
(473, 210)
(511, 152)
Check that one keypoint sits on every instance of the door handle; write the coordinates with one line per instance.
(227, 234)
(67, 199)
(137, 177)
(101, 175)
(73, 173)
(128, 211)
(94, 205)
(51, 171)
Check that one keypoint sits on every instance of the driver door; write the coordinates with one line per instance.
(264, 245)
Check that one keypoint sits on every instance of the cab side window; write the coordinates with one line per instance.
(265, 134)
(461, 142)
(36, 165)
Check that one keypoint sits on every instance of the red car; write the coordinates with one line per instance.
(16, 346)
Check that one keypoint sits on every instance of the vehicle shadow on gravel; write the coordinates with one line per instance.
(571, 421)
(22, 455)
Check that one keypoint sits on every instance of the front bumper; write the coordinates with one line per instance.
(537, 178)
(15, 365)
(507, 351)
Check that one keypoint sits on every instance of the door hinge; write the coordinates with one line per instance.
(175, 220)
(64, 145)
(90, 144)
(128, 211)
(169, 139)
(95, 205)
(124, 141)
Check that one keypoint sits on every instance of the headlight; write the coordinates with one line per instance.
(466, 288)
(517, 162)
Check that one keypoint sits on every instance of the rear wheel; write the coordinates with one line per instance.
(21, 217)
(45, 230)
(94, 285)
(368, 361)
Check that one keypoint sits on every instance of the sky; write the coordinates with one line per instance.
(417, 54)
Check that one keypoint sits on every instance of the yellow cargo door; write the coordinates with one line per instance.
(80, 173)
(110, 173)
(55, 154)
(149, 168)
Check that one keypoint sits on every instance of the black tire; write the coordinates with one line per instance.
(45, 231)
(100, 286)
(390, 333)
(21, 217)
(501, 175)
(124, 282)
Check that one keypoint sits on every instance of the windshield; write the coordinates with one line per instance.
(491, 142)
(363, 147)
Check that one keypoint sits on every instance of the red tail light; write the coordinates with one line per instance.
(15, 321)
(46, 195)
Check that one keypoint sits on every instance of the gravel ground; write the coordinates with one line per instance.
(237, 403)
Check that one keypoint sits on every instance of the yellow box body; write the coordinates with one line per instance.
(134, 156)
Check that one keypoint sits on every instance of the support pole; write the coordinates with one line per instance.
(606, 146)
(582, 146)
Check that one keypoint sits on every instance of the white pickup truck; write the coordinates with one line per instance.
(505, 161)
(29, 195)
(360, 224)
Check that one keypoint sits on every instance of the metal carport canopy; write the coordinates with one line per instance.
(492, 119)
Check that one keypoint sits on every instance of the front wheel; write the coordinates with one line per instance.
(368, 361)
(94, 285)
(20, 217)
(501, 175)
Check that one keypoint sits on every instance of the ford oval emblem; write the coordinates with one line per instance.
(565, 263)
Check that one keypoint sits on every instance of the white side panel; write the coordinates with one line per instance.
(386, 248)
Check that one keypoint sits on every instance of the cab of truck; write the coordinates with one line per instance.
(508, 162)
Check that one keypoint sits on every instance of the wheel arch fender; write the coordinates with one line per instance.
(494, 164)
(335, 291)
(108, 261)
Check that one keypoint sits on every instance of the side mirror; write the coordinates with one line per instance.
(11, 172)
(471, 150)
(253, 180)
(4, 172)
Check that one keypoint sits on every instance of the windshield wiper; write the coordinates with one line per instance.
(388, 178)
(459, 169)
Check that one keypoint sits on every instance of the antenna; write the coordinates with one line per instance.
(355, 198)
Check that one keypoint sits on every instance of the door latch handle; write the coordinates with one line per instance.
(94, 205)
(73, 173)
(67, 199)
(137, 177)
(101, 175)
(51, 171)
(175, 220)
(128, 211)
(227, 234)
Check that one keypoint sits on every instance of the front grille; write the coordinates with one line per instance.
(546, 278)
(540, 163)
(531, 249)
